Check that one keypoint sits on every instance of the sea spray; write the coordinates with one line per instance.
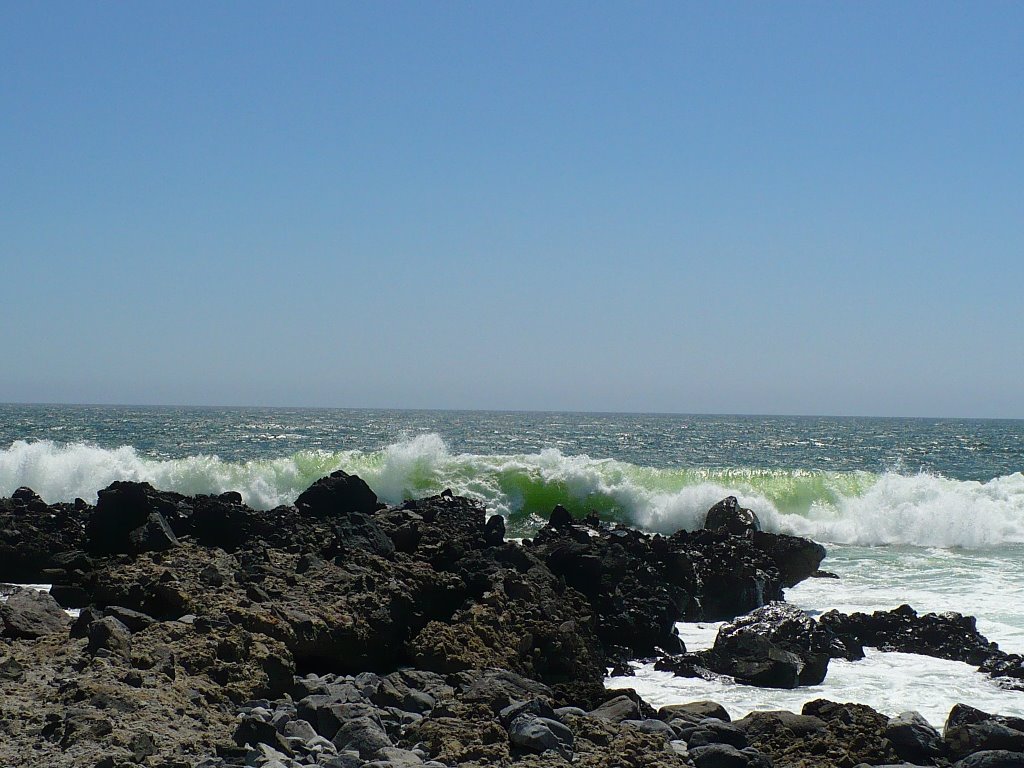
(846, 507)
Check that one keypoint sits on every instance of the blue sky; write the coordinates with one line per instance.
(719, 207)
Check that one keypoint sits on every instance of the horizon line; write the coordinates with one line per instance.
(747, 414)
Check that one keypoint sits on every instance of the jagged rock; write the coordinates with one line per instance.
(109, 634)
(776, 646)
(32, 533)
(949, 635)
(29, 613)
(729, 516)
(968, 730)
(130, 518)
(796, 558)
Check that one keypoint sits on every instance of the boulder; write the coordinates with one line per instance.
(337, 494)
(109, 635)
(694, 710)
(131, 518)
(913, 738)
(948, 635)
(29, 614)
(968, 730)
(727, 515)
(776, 646)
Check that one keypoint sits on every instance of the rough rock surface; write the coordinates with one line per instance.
(947, 635)
(338, 633)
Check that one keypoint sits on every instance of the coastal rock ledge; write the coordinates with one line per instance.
(341, 632)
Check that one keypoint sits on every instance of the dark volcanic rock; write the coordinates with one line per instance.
(32, 532)
(913, 738)
(796, 558)
(777, 646)
(969, 730)
(337, 494)
(729, 516)
(131, 518)
(730, 576)
(950, 635)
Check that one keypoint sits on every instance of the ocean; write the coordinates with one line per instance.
(928, 512)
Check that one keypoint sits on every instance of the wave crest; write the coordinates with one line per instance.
(840, 507)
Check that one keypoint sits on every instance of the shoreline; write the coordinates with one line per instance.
(418, 634)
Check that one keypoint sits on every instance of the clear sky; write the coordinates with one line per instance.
(792, 207)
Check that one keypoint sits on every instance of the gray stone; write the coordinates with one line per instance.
(696, 710)
(29, 614)
(800, 725)
(561, 712)
(539, 734)
(713, 731)
(537, 707)
(363, 734)
(136, 621)
(992, 758)
(109, 634)
(300, 729)
(618, 709)
(652, 726)
(913, 737)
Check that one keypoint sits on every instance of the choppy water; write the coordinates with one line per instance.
(924, 511)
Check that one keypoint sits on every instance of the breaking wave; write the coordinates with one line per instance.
(841, 507)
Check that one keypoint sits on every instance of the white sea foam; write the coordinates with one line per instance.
(889, 682)
(842, 507)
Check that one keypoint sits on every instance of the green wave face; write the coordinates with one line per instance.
(850, 507)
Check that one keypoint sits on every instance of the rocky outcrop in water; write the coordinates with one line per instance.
(949, 635)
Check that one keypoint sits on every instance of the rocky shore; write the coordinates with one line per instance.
(339, 632)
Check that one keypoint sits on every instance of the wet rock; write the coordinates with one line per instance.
(729, 516)
(777, 646)
(796, 558)
(949, 635)
(33, 533)
(336, 495)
